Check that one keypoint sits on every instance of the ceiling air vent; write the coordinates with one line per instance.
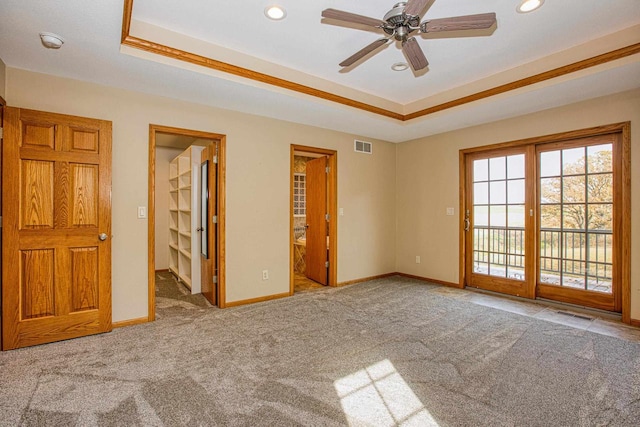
(362, 146)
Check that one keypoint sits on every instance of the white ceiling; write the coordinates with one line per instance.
(306, 46)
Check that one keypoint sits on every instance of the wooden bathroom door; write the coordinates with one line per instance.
(56, 270)
(316, 256)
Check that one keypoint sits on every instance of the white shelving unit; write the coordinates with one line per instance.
(184, 242)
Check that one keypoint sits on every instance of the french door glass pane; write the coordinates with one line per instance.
(498, 216)
(576, 217)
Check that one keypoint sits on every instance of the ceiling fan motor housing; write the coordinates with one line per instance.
(398, 23)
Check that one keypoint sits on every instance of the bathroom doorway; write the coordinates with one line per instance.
(313, 222)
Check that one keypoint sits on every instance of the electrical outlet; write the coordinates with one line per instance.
(417, 259)
(265, 274)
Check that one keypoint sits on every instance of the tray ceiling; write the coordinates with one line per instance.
(305, 51)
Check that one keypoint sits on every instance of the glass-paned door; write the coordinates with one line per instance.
(497, 218)
(576, 235)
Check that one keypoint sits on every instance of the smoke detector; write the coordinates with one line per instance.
(51, 41)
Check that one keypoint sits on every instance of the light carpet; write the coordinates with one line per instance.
(385, 352)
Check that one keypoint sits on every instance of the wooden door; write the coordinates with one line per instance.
(499, 222)
(208, 255)
(57, 227)
(580, 221)
(316, 252)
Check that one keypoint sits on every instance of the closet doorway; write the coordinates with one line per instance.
(313, 222)
(186, 215)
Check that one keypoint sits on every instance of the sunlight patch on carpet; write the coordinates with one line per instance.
(378, 395)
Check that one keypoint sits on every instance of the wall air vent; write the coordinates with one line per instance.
(362, 146)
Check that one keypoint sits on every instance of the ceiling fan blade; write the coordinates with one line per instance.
(469, 22)
(363, 52)
(416, 7)
(351, 17)
(414, 53)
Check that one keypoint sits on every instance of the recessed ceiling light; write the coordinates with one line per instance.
(51, 41)
(527, 6)
(399, 66)
(275, 12)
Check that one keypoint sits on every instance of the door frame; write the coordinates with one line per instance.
(624, 174)
(221, 184)
(332, 208)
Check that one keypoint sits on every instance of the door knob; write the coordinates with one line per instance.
(199, 229)
(102, 237)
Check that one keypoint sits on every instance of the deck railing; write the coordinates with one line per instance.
(573, 254)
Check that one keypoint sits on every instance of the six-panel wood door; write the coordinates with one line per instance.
(316, 251)
(57, 227)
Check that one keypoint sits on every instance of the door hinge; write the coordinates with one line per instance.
(326, 264)
(215, 159)
(214, 279)
(1, 133)
(327, 169)
(326, 216)
(214, 219)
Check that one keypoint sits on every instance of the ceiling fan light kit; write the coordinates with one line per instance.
(402, 22)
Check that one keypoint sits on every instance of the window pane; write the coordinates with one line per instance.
(574, 246)
(550, 216)
(481, 240)
(516, 216)
(573, 189)
(497, 193)
(600, 217)
(515, 191)
(600, 158)
(480, 193)
(515, 166)
(573, 161)
(550, 163)
(481, 216)
(550, 190)
(481, 170)
(600, 248)
(497, 168)
(573, 217)
(600, 188)
(498, 216)
(573, 274)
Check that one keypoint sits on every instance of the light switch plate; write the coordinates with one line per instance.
(142, 212)
(450, 211)
(341, 212)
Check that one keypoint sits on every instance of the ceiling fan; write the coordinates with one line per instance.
(401, 22)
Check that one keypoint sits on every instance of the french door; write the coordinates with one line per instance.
(498, 217)
(548, 219)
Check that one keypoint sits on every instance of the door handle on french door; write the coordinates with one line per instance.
(467, 221)
(102, 237)
(200, 229)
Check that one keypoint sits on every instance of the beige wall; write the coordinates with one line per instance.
(2, 80)
(427, 182)
(163, 156)
(257, 186)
